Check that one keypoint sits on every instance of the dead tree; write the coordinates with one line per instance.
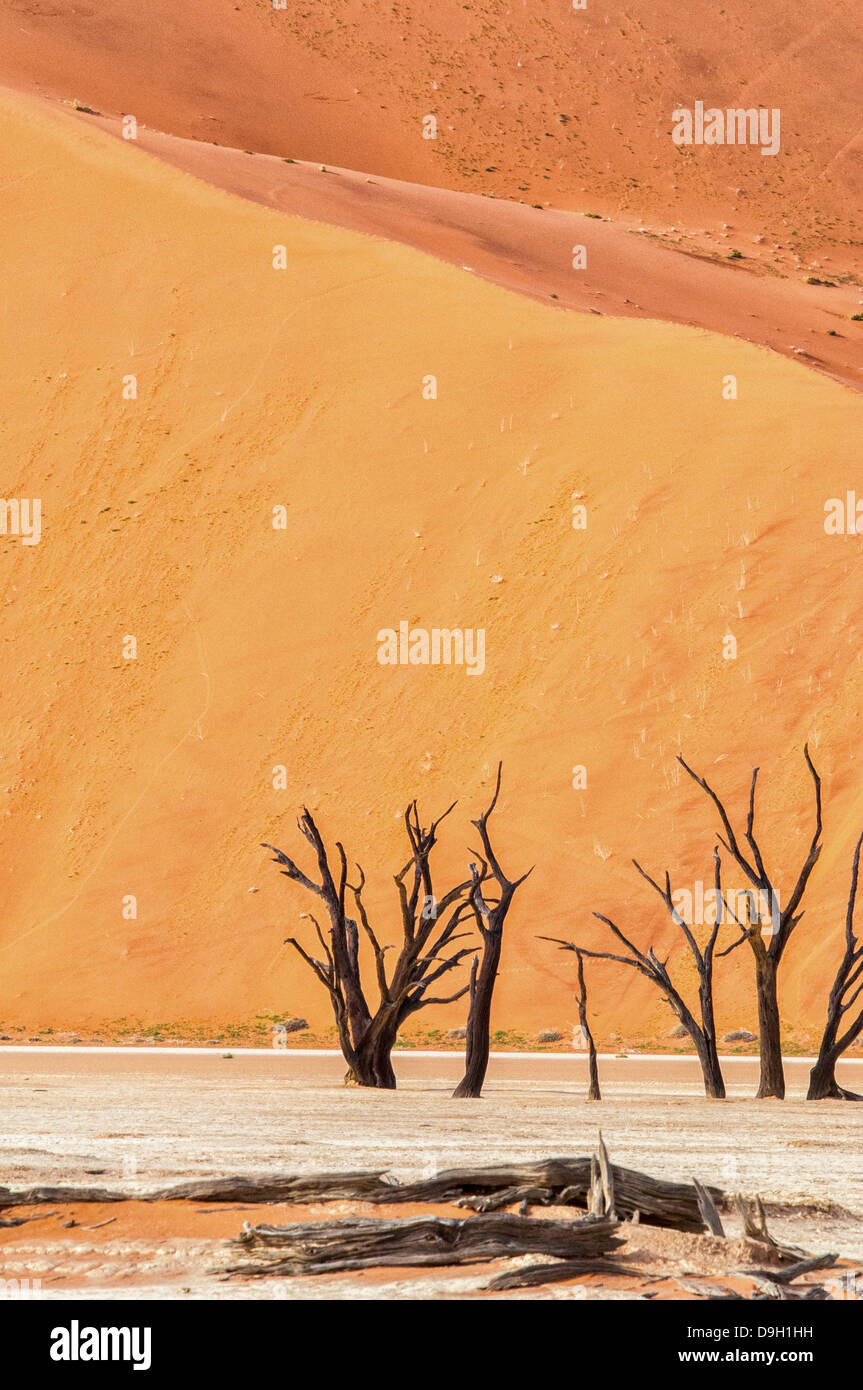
(782, 921)
(593, 1091)
(489, 916)
(649, 965)
(428, 951)
(846, 990)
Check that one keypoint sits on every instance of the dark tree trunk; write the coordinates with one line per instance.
(714, 1084)
(822, 1080)
(822, 1077)
(479, 1020)
(704, 1042)
(772, 1083)
(489, 917)
(593, 1091)
(373, 1066)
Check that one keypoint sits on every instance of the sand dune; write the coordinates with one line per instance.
(623, 270)
(540, 101)
(256, 647)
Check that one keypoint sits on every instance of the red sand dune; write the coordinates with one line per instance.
(302, 388)
(538, 101)
(628, 272)
(153, 777)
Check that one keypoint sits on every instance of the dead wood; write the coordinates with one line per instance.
(785, 1276)
(841, 1031)
(506, 1197)
(767, 940)
(755, 1228)
(327, 1247)
(717, 1292)
(593, 1091)
(565, 1182)
(708, 1211)
(532, 1275)
(314, 1187)
(606, 1177)
(39, 1196)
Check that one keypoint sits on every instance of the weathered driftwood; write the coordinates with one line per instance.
(506, 1197)
(791, 1272)
(38, 1196)
(325, 1247)
(529, 1276)
(312, 1187)
(708, 1210)
(33, 1216)
(606, 1178)
(363, 1185)
(755, 1228)
(772, 1289)
(716, 1292)
(560, 1181)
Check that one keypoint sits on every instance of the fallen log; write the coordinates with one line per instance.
(564, 1182)
(330, 1247)
(360, 1186)
(39, 1196)
(506, 1197)
(530, 1276)
(791, 1272)
(716, 1292)
(314, 1187)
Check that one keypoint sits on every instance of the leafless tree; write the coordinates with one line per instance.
(593, 1091)
(648, 964)
(846, 991)
(782, 920)
(489, 916)
(428, 951)
(431, 933)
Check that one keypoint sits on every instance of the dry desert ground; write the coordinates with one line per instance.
(137, 1121)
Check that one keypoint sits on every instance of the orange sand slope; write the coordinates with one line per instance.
(256, 647)
(539, 101)
(614, 270)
